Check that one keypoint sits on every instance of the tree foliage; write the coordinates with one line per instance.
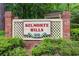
(38, 10)
(34, 10)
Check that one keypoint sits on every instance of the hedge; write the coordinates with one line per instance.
(12, 47)
(55, 47)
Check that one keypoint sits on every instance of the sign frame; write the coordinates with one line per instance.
(23, 20)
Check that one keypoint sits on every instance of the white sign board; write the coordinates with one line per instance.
(37, 28)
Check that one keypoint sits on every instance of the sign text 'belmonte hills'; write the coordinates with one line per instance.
(37, 28)
(37, 25)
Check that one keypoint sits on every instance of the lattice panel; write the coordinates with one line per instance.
(18, 29)
(56, 29)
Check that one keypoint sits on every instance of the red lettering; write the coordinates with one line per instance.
(46, 25)
(36, 25)
(36, 29)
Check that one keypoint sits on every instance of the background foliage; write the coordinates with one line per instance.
(34, 10)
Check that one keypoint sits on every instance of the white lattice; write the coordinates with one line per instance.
(18, 29)
(56, 28)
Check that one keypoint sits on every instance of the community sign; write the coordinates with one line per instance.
(37, 29)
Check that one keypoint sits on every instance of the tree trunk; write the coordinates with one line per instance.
(1, 16)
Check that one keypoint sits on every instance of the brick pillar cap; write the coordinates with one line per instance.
(8, 14)
(66, 12)
(16, 17)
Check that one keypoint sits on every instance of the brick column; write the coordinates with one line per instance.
(8, 23)
(66, 24)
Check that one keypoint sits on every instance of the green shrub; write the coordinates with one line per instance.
(11, 46)
(75, 51)
(4, 45)
(75, 34)
(65, 52)
(45, 48)
(16, 42)
(74, 26)
(2, 33)
(19, 51)
(69, 48)
(75, 43)
(11, 42)
(65, 44)
(56, 47)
